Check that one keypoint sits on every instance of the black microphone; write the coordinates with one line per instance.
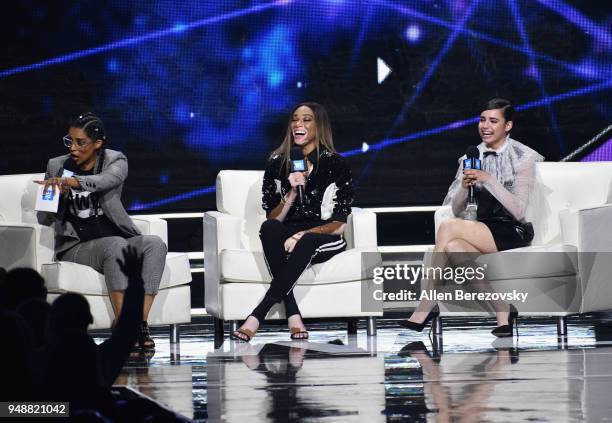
(70, 165)
(298, 164)
(472, 162)
(68, 169)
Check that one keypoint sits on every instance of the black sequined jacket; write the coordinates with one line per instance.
(328, 193)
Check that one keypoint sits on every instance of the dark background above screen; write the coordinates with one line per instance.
(192, 87)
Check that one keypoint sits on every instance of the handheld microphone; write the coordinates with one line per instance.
(298, 164)
(472, 161)
(69, 168)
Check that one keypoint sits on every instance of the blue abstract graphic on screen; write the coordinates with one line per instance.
(216, 79)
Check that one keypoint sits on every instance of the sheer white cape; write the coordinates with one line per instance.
(513, 171)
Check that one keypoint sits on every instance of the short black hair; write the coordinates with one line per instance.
(501, 103)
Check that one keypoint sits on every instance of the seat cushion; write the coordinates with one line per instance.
(239, 265)
(329, 300)
(171, 306)
(65, 276)
(543, 261)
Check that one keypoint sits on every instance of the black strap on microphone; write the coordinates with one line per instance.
(298, 164)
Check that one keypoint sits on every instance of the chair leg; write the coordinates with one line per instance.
(218, 331)
(561, 327)
(352, 327)
(233, 326)
(371, 329)
(436, 326)
(175, 334)
(372, 345)
(437, 345)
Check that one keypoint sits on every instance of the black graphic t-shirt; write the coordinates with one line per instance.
(84, 212)
(328, 193)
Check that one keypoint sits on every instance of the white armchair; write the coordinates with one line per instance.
(25, 243)
(571, 215)
(236, 273)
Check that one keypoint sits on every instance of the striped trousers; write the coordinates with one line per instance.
(286, 269)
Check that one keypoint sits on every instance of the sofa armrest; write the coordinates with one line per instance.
(150, 225)
(26, 245)
(587, 229)
(443, 213)
(221, 231)
(360, 230)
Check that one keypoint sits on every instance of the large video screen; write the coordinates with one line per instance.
(187, 88)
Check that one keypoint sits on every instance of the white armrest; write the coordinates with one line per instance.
(587, 229)
(360, 230)
(150, 225)
(221, 231)
(26, 245)
(443, 213)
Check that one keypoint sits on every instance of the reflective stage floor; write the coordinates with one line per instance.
(396, 376)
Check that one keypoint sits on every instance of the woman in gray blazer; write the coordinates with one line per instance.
(91, 225)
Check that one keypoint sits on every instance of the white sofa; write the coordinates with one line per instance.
(236, 273)
(571, 212)
(25, 243)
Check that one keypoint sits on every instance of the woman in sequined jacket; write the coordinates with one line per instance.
(297, 233)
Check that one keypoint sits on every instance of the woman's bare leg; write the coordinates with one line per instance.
(251, 323)
(476, 234)
(502, 310)
(116, 298)
(117, 302)
(296, 321)
(148, 302)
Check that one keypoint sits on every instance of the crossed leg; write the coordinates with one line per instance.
(460, 236)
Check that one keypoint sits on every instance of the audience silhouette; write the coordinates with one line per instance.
(50, 356)
(20, 285)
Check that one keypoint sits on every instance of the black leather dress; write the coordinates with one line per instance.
(508, 232)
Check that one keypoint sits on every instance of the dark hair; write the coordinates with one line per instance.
(20, 285)
(501, 103)
(324, 133)
(69, 312)
(94, 128)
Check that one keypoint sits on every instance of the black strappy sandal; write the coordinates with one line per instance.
(144, 340)
(297, 334)
(248, 335)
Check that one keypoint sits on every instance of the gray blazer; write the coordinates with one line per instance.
(108, 184)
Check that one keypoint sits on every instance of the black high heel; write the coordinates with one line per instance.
(418, 327)
(508, 330)
(418, 346)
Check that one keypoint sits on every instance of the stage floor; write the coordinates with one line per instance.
(468, 376)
